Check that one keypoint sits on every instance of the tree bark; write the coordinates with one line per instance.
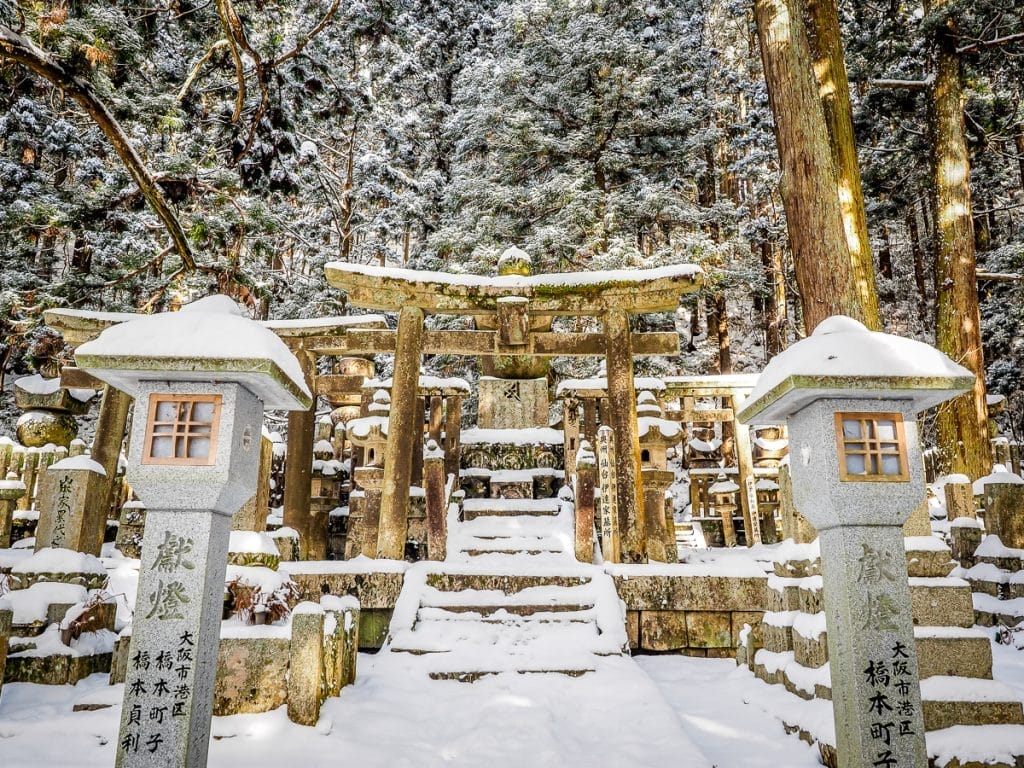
(814, 218)
(22, 50)
(774, 301)
(826, 48)
(962, 423)
(722, 331)
(918, 253)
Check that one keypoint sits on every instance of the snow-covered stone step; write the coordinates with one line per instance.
(504, 616)
(507, 581)
(950, 701)
(474, 675)
(533, 640)
(523, 525)
(474, 508)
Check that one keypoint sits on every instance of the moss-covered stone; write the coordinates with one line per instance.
(252, 675)
(663, 630)
(692, 593)
(709, 629)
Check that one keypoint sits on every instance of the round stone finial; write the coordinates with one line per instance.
(381, 402)
(515, 261)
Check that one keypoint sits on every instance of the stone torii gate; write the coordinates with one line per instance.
(520, 305)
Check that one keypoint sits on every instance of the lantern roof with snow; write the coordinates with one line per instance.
(843, 359)
(208, 340)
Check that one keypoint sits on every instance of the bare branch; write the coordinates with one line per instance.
(199, 65)
(20, 49)
(907, 85)
(304, 40)
(997, 42)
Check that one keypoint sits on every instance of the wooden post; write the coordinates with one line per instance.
(298, 471)
(402, 438)
(106, 451)
(452, 436)
(417, 435)
(622, 414)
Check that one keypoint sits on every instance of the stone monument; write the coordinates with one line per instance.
(201, 378)
(850, 398)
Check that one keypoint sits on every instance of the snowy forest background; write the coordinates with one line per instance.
(432, 134)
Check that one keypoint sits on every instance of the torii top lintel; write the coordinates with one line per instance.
(589, 293)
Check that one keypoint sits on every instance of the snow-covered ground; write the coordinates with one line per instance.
(654, 711)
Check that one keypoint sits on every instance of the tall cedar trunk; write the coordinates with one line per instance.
(814, 218)
(885, 266)
(963, 422)
(918, 253)
(724, 350)
(718, 319)
(775, 303)
(1019, 142)
(826, 47)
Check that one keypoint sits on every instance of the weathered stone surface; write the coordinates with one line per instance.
(374, 589)
(929, 563)
(694, 593)
(58, 669)
(252, 675)
(741, 618)
(373, 628)
(945, 714)
(961, 656)
(1004, 513)
(305, 664)
(663, 630)
(633, 629)
(513, 403)
(810, 652)
(709, 629)
(776, 638)
(37, 428)
(940, 604)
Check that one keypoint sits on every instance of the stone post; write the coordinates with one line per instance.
(590, 420)
(416, 478)
(610, 548)
(436, 421)
(30, 468)
(571, 434)
(11, 490)
(66, 519)
(253, 514)
(959, 499)
(794, 525)
(586, 480)
(371, 480)
(745, 465)
(6, 617)
(671, 548)
(1004, 513)
(305, 664)
(394, 521)
(298, 474)
(622, 407)
(434, 486)
(656, 482)
(452, 436)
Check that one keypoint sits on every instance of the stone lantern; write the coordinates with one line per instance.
(850, 398)
(370, 434)
(201, 379)
(723, 496)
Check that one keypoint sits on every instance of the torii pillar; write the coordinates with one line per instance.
(622, 397)
(405, 419)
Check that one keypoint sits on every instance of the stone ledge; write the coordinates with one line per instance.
(692, 593)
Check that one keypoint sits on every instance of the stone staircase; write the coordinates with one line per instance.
(510, 599)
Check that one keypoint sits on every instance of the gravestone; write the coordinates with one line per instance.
(195, 449)
(512, 403)
(850, 398)
(67, 519)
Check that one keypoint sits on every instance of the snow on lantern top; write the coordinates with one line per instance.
(208, 340)
(843, 359)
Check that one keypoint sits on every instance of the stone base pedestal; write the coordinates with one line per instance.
(513, 403)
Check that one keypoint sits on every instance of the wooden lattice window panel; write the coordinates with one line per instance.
(182, 429)
(872, 447)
